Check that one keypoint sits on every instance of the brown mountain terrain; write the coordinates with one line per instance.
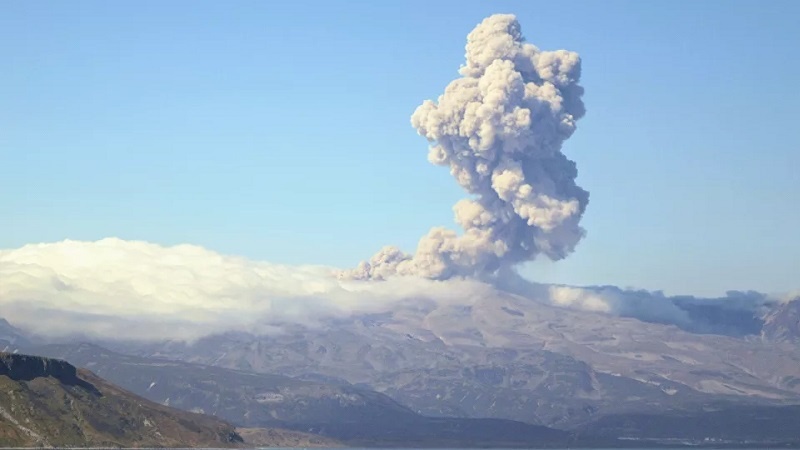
(48, 402)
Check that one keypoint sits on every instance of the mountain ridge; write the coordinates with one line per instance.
(342, 412)
(11, 337)
(51, 403)
(506, 356)
(515, 358)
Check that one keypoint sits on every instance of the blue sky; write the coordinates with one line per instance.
(280, 130)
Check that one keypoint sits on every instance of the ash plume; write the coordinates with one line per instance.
(500, 128)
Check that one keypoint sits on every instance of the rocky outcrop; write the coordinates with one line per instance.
(48, 402)
(26, 368)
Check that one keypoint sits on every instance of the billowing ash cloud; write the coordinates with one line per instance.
(499, 128)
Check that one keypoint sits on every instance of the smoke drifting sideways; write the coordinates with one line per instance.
(500, 128)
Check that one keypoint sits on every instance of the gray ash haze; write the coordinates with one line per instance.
(500, 128)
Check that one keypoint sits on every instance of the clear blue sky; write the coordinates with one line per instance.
(280, 130)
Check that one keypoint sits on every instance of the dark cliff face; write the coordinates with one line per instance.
(26, 368)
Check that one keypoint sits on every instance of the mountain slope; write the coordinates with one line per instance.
(783, 323)
(246, 398)
(10, 337)
(763, 425)
(511, 357)
(49, 402)
(356, 416)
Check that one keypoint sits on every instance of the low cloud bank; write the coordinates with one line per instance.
(137, 290)
(735, 314)
(116, 289)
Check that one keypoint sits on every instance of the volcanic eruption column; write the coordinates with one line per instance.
(500, 128)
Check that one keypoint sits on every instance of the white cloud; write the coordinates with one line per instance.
(127, 289)
(579, 298)
(789, 296)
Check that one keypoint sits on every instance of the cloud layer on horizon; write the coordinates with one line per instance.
(117, 289)
(131, 289)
